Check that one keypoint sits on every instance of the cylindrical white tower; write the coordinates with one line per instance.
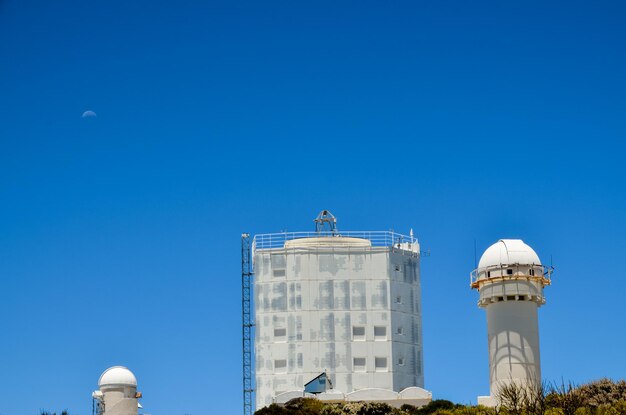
(510, 280)
(118, 392)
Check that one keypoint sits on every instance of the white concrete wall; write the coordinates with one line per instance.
(308, 304)
(406, 322)
(120, 401)
(513, 343)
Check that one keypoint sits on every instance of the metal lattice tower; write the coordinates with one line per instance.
(247, 275)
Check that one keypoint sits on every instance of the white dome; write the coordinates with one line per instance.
(509, 251)
(117, 376)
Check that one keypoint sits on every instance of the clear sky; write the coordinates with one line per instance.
(120, 234)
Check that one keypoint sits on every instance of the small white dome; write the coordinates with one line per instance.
(509, 251)
(117, 376)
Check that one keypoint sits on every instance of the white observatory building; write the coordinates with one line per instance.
(510, 280)
(117, 393)
(344, 303)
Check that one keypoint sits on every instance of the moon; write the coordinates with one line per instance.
(89, 114)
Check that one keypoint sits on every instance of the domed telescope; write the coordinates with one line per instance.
(510, 280)
(117, 393)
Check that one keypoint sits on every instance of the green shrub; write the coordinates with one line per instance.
(304, 406)
(273, 409)
(435, 406)
(602, 397)
(359, 408)
(603, 392)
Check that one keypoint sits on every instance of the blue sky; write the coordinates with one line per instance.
(119, 235)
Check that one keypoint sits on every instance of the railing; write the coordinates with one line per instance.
(545, 276)
(376, 238)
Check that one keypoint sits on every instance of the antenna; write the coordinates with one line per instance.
(325, 217)
(475, 263)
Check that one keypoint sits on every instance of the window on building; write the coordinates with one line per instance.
(279, 264)
(280, 333)
(400, 330)
(401, 361)
(380, 364)
(358, 364)
(280, 365)
(531, 272)
(398, 299)
(509, 272)
(358, 332)
(380, 333)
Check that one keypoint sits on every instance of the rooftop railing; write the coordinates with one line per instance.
(519, 271)
(376, 238)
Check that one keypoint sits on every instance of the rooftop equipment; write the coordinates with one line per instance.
(319, 384)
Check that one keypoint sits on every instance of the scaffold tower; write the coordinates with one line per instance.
(247, 275)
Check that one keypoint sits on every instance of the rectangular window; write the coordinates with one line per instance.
(400, 330)
(380, 364)
(280, 365)
(279, 264)
(399, 299)
(509, 272)
(401, 361)
(358, 364)
(358, 333)
(280, 333)
(380, 333)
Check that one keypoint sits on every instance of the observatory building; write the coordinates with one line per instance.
(342, 304)
(510, 280)
(117, 393)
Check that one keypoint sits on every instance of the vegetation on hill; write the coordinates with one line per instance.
(602, 397)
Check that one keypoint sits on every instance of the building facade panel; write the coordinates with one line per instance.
(350, 310)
